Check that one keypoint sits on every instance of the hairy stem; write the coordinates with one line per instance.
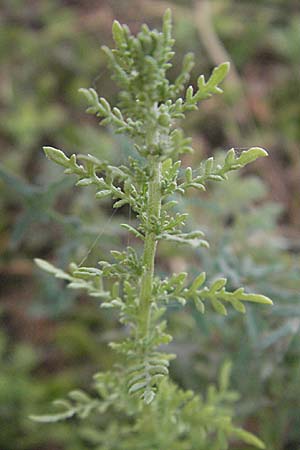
(154, 206)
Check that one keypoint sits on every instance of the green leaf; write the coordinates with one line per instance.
(206, 89)
(238, 306)
(148, 397)
(79, 396)
(251, 155)
(132, 230)
(167, 25)
(118, 33)
(178, 279)
(249, 438)
(137, 387)
(103, 194)
(219, 73)
(188, 174)
(85, 182)
(90, 94)
(47, 267)
(224, 376)
(199, 186)
(217, 285)
(166, 166)
(198, 281)
(199, 305)
(57, 156)
(209, 165)
(257, 298)
(121, 203)
(218, 306)
(51, 418)
(230, 157)
(182, 239)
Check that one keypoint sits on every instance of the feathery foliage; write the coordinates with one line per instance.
(139, 388)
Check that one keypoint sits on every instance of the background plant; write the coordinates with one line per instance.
(260, 260)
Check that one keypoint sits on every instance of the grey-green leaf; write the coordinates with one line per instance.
(249, 438)
(50, 418)
(47, 267)
(57, 156)
(251, 155)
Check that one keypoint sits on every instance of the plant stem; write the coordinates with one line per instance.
(153, 213)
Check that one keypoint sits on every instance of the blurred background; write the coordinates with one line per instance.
(52, 340)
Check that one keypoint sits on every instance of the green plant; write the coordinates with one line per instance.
(145, 408)
(21, 389)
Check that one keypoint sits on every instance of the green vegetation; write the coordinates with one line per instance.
(149, 107)
(54, 339)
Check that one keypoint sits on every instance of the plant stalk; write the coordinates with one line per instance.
(153, 209)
